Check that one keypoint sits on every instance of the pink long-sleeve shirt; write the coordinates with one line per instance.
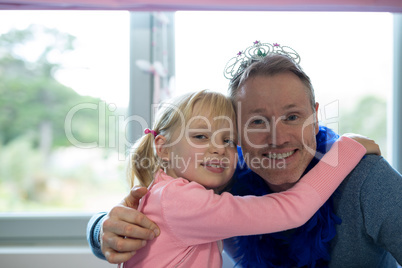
(193, 220)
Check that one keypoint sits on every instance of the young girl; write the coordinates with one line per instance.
(191, 151)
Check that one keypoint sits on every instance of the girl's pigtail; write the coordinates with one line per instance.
(143, 161)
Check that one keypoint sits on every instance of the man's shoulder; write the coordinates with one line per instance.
(372, 159)
(372, 170)
(371, 166)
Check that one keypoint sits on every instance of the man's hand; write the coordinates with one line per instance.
(125, 230)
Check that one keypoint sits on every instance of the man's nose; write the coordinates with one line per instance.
(279, 133)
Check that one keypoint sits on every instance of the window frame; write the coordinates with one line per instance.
(47, 229)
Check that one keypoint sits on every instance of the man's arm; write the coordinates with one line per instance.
(381, 203)
(93, 229)
(117, 235)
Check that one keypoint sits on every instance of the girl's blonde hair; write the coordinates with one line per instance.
(172, 116)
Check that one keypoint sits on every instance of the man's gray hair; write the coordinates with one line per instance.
(269, 66)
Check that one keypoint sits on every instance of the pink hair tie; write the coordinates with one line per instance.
(147, 131)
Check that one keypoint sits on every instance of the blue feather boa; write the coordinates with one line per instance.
(306, 246)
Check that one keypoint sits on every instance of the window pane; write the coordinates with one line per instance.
(348, 57)
(60, 107)
(64, 83)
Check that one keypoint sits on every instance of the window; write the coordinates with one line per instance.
(65, 84)
(348, 56)
(72, 161)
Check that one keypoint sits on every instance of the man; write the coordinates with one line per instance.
(360, 226)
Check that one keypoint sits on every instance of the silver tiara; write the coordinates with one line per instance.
(256, 52)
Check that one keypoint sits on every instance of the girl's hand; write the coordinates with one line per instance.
(369, 144)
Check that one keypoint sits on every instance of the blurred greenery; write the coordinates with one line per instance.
(39, 167)
(368, 118)
(31, 99)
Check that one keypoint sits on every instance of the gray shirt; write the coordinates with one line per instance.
(369, 202)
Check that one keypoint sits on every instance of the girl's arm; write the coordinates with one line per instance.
(195, 215)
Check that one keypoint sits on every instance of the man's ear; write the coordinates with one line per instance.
(161, 150)
(317, 127)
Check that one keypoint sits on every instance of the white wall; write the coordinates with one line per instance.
(41, 257)
(60, 257)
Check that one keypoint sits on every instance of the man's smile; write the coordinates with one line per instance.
(274, 155)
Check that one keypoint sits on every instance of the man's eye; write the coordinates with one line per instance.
(292, 117)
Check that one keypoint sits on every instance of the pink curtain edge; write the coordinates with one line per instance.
(195, 7)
